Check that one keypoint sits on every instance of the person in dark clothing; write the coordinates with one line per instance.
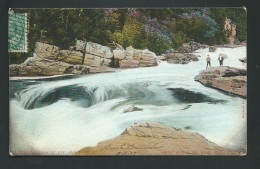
(208, 62)
(220, 58)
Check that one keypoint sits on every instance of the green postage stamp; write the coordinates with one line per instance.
(17, 32)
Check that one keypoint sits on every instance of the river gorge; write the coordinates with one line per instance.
(69, 113)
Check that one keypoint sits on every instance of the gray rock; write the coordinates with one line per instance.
(189, 47)
(212, 49)
(180, 58)
(243, 60)
(132, 109)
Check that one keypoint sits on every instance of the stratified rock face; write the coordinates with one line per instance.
(129, 63)
(99, 50)
(72, 57)
(180, 58)
(35, 66)
(96, 55)
(119, 54)
(131, 58)
(229, 79)
(50, 60)
(156, 139)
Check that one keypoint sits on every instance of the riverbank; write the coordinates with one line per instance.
(37, 77)
(225, 78)
(156, 139)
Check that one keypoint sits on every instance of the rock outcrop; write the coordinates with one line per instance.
(84, 57)
(95, 55)
(180, 58)
(228, 79)
(191, 46)
(131, 58)
(132, 109)
(243, 60)
(35, 66)
(230, 29)
(212, 49)
(156, 139)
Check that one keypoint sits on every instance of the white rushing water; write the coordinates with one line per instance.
(50, 117)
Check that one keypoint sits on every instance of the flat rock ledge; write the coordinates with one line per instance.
(156, 139)
(225, 78)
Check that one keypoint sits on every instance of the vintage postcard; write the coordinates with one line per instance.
(128, 81)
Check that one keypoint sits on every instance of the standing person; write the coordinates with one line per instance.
(220, 58)
(208, 61)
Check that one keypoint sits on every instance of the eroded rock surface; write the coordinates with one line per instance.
(191, 46)
(180, 58)
(229, 79)
(156, 139)
(84, 57)
(35, 66)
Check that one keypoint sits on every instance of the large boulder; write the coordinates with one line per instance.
(243, 60)
(189, 47)
(145, 57)
(98, 50)
(212, 49)
(129, 63)
(93, 62)
(156, 139)
(22, 70)
(192, 57)
(35, 66)
(80, 44)
(44, 50)
(38, 68)
(229, 79)
(180, 58)
(72, 57)
(132, 58)
(148, 63)
(119, 54)
(106, 62)
(129, 52)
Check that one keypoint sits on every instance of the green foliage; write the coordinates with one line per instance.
(238, 16)
(156, 44)
(133, 33)
(17, 58)
(154, 29)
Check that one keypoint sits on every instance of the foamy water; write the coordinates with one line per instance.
(48, 117)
